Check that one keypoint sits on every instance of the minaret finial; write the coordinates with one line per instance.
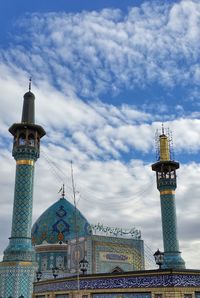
(29, 86)
(163, 129)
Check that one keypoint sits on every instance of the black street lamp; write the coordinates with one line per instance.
(38, 275)
(21, 296)
(55, 272)
(159, 258)
(83, 265)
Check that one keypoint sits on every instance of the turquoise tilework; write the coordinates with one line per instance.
(20, 247)
(164, 184)
(22, 211)
(22, 152)
(169, 225)
(172, 256)
(173, 260)
(57, 223)
(16, 280)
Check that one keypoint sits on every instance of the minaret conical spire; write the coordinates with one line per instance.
(28, 111)
(28, 115)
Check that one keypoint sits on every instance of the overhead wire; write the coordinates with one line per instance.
(149, 259)
(57, 173)
(139, 192)
(61, 178)
(130, 198)
(89, 198)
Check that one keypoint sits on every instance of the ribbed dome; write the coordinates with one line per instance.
(57, 223)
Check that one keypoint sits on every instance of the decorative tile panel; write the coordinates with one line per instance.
(122, 295)
(152, 281)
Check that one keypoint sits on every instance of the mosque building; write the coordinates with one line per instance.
(61, 237)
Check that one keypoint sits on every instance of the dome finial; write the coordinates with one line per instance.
(63, 191)
(29, 86)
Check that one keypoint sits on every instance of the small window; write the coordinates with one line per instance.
(31, 140)
(22, 140)
(14, 142)
(44, 263)
(158, 295)
(187, 295)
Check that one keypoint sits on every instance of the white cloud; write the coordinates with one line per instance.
(89, 55)
(108, 50)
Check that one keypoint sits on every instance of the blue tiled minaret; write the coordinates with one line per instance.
(165, 170)
(18, 266)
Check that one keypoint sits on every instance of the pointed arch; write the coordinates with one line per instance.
(117, 269)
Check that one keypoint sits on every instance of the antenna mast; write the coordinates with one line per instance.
(76, 226)
(157, 147)
(171, 145)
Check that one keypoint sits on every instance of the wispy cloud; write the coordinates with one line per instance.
(108, 50)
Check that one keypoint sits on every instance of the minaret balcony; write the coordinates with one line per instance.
(166, 183)
(25, 152)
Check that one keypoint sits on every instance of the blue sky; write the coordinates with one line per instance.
(106, 74)
(11, 12)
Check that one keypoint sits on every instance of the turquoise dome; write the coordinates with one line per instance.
(57, 224)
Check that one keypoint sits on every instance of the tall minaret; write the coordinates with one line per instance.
(18, 266)
(165, 170)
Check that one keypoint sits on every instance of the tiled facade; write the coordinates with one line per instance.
(110, 252)
(56, 244)
(103, 254)
(153, 283)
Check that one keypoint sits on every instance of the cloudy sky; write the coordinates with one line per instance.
(105, 74)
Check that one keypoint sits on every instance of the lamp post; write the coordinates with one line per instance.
(38, 275)
(83, 265)
(159, 258)
(55, 272)
(21, 296)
